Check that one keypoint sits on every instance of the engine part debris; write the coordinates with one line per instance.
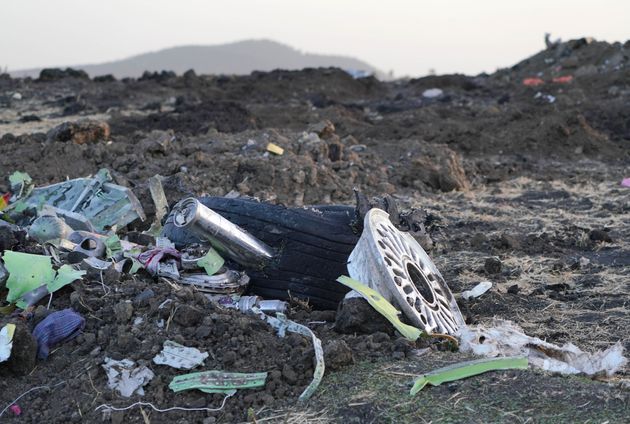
(247, 304)
(228, 281)
(397, 267)
(223, 235)
(48, 227)
(91, 204)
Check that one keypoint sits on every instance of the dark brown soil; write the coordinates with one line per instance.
(519, 190)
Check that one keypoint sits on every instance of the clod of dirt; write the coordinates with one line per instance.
(79, 132)
(337, 354)
(123, 311)
(492, 265)
(436, 166)
(55, 74)
(22, 360)
(600, 236)
(355, 315)
(188, 316)
(8, 238)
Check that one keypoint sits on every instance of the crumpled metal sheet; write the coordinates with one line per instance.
(126, 377)
(90, 204)
(180, 357)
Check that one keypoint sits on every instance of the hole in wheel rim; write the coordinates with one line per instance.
(420, 281)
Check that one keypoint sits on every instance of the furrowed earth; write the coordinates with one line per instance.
(520, 183)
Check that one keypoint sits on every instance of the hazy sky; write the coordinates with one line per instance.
(406, 36)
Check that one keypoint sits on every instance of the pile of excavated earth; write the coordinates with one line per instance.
(513, 178)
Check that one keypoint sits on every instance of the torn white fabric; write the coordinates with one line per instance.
(504, 338)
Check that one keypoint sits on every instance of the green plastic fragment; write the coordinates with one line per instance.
(468, 369)
(26, 273)
(211, 262)
(65, 275)
(382, 306)
(112, 245)
(218, 381)
(21, 183)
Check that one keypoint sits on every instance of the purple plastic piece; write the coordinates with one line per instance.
(57, 327)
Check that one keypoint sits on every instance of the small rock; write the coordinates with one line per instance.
(16, 96)
(229, 357)
(188, 316)
(123, 311)
(513, 289)
(600, 236)
(142, 299)
(337, 354)
(355, 315)
(323, 129)
(289, 374)
(80, 132)
(492, 265)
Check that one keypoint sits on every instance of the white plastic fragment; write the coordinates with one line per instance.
(477, 291)
(504, 338)
(125, 377)
(432, 93)
(180, 357)
(6, 341)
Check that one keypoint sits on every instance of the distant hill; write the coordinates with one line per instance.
(237, 58)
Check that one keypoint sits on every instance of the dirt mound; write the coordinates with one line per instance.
(520, 184)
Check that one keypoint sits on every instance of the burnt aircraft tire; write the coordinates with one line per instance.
(312, 246)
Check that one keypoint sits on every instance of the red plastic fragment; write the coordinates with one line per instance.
(15, 408)
(563, 80)
(533, 82)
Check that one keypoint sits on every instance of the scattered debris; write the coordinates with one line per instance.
(180, 357)
(125, 377)
(477, 291)
(504, 338)
(467, 369)
(218, 381)
(56, 328)
(625, 182)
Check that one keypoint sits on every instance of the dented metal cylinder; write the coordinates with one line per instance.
(226, 237)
